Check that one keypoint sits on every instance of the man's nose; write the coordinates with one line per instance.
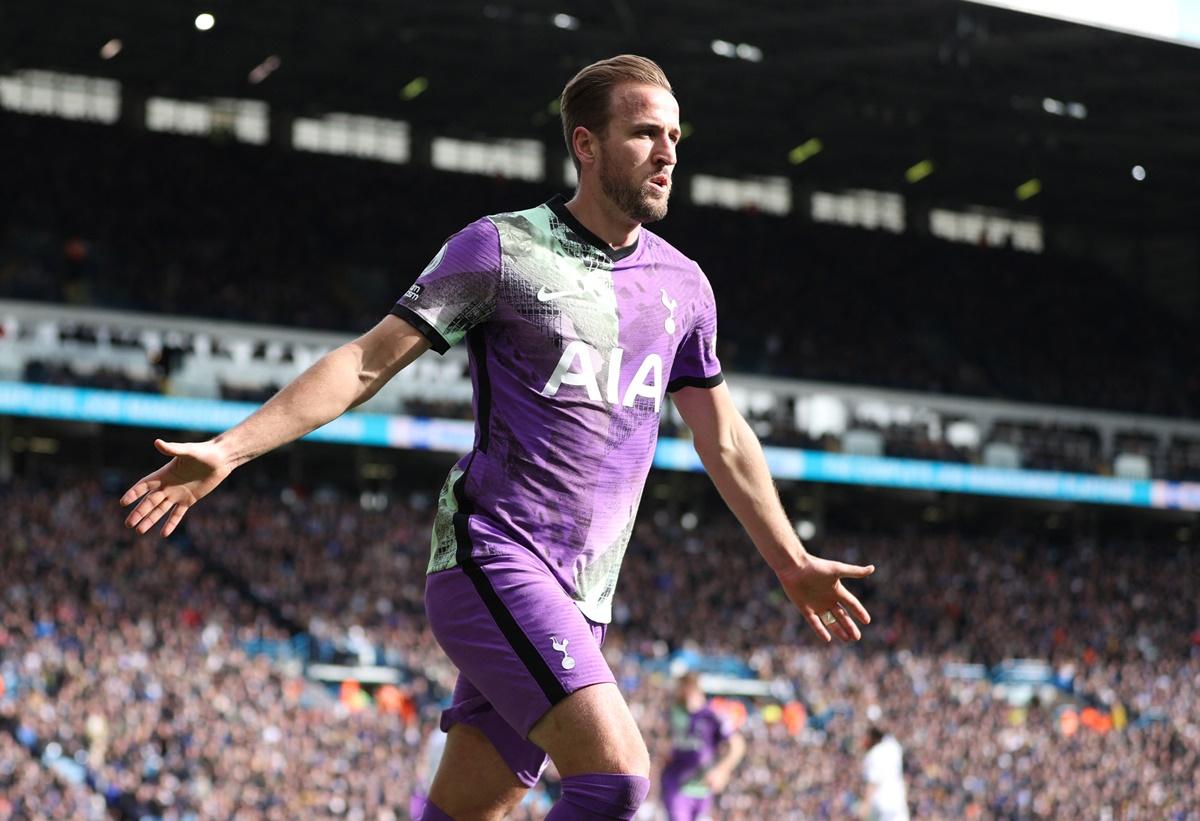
(665, 151)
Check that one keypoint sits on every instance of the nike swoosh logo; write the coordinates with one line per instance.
(545, 295)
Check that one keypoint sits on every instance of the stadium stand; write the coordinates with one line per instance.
(89, 238)
(147, 663)
(45, 344)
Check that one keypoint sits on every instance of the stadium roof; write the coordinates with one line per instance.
(986, 94)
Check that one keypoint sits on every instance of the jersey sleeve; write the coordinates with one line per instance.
(457, 289)
(696, 364)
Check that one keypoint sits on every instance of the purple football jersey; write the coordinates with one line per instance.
(572, 346)
(695, 739)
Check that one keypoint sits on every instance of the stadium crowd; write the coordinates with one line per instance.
(133, 655)
(128, 654)
(186, 226)
(29, 790)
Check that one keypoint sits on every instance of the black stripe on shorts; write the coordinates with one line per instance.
(520, 643)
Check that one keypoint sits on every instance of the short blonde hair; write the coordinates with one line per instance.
(586, 99)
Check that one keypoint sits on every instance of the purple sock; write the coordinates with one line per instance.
(595, 796)
(432, 813)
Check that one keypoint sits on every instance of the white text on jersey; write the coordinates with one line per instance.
(646, 382)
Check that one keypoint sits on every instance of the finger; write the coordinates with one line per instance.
(854, 571)
(852, 633)
(144, 486)
(853, 606)
(154, 515)
(814, 621)
(148, 503)
(837, 626)
(174, 519)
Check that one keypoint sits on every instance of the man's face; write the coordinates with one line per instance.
(637, 151)
(688, 689)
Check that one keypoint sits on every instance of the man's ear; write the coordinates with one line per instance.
(586, 145)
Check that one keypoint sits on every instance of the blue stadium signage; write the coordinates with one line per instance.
(457, 436)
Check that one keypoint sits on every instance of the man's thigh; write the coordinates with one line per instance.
(473, 781)
(592, 731)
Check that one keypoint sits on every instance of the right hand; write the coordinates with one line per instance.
(194, 471)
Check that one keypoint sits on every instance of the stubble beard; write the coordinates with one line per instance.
(631, 198)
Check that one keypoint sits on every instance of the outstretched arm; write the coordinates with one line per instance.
(734, 459)
(342, 379)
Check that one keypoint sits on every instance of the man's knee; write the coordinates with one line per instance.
(635, 760)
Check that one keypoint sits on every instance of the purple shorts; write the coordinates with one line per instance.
(520, 645)
(682, 807)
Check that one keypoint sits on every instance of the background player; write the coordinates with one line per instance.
(577, 322)
(694, 774)
(884, 795)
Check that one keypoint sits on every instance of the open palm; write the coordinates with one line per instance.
(816, 588)
(194, 471)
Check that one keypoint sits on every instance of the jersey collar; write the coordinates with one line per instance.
(558, 204)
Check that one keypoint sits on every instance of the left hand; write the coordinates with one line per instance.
(816, 587)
